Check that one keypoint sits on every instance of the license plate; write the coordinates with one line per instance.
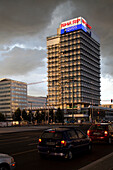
(96, 133)
(50, 143)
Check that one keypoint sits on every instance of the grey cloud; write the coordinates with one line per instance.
(21, 61)
(31, 21)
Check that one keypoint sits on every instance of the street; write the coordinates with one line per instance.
(23, 147)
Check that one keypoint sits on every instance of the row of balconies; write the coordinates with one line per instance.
(52, 57)
(53, 62)
(93, 44)
(90, 55)
(88, 68)
(96, 64)
(67, 49)
(65, 62)
(89, 50)
(90, 65)
(90, 75)
(67, 38)
(88, 37)
(91, 41)
(69, 98)
(84, 69)
(66, 77)
(68, 87)
(70, 43)
(53, 65)
(68, 72)
(87, 44)
(85, 77)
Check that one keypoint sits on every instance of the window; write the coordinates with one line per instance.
(80, 134)
(52, 134)
(72, 134)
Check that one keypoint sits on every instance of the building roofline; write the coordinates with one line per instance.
(7, 79)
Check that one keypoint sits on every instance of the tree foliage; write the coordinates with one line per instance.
(17, 115)
(24, 115)
(38, 117)
(59, 116)
(2, 117)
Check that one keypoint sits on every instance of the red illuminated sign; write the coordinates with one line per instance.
(75, 21)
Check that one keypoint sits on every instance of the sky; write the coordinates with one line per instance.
(24, 26)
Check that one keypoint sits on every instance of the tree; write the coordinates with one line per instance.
(38, 117)
(59, 116)
(24, 115)
(17, 115)
(2, 117)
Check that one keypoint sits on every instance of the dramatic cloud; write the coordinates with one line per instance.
(20, 61)
(25, 24)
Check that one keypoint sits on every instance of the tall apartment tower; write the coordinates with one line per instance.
(73, 66)
(13, 95)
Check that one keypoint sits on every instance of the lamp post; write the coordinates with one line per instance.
(31, 111)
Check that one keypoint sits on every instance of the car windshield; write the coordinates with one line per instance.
(52, 134)
(98, 127)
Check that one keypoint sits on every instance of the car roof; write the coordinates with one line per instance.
(101, 124)
(59, 129)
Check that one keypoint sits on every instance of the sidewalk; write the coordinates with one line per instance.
(104, 163)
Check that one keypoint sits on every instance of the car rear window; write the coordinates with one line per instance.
(98, 127)
(53, 135)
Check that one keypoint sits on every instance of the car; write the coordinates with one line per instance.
(63, 142)
(6, 162)
(101, 132)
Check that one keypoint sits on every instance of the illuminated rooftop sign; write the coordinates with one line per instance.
(75, 24)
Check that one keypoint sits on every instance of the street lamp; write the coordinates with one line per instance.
(31, 110)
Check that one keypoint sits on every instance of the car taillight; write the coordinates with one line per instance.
(63, 142)
(40, 140)
(105, 133)
(88, 132)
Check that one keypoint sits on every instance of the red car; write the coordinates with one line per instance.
(101, 132)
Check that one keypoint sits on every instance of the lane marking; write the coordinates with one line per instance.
(20, 153)
(2, 140)
(14, 142)
(91, 165)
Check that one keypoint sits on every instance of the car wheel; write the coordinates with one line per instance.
(109, 140)
(69, 155)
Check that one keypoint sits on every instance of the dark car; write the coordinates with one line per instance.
(101, 132)
(63, 142)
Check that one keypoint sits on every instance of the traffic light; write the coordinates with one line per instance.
(111, 100)
(98, 112)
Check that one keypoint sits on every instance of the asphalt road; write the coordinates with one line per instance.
(23, 147)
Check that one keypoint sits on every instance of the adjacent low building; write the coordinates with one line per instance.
(13, 95)
(35, 102)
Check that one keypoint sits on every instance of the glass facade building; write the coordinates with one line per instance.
(13, 95)
(36, 102)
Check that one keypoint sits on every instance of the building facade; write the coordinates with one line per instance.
(73, 66)
(35, 102)
(13, 95)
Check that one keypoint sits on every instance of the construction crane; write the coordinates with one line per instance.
(36, 82)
